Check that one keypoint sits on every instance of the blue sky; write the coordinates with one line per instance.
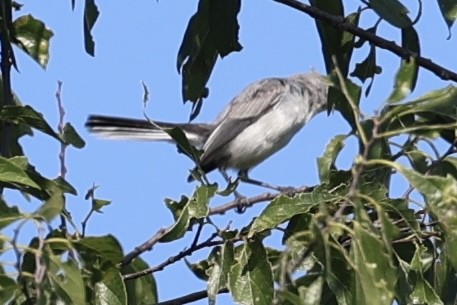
(138, 42)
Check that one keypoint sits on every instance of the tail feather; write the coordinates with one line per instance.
(117, 128)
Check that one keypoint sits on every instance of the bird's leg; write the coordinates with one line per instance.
(243, 176)
(242, 200)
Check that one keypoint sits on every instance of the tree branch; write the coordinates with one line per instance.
(341, 23)
(189, 298)
(172, 259)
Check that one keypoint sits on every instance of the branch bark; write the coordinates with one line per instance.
(341, 23)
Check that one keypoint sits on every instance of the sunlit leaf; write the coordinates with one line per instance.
(375, 273)
(12, 173)
(187, 210)
(110, 289)
(52, 207)
(251, 279)
(283, 208)
(218, 278)
(327, 161)
(33, 37)
(67, 281)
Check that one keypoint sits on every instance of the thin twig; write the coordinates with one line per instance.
(210, 242)
(63, 146)
(190, 298)
(341, 23)
(146, 246)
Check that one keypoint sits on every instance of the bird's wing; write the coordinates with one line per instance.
(254, 101)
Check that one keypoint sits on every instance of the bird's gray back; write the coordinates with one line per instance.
(256, 100)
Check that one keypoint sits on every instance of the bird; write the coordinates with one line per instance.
(255, 124)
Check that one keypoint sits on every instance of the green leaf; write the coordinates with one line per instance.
(9, 214)
(335, 42)
(8, 289)
(311, 295)
(67, 280)
(52, 208)
(11, 173)
(446, 167)
(283, 208)
(367, 68)
(423, 292)
(105, 247)
(90, 17)
(98, 204)
(441, 196)
(110, 290)
(339, 100)
(375, 273)
(26, 115)
(448, 9)
(183, 143)
(212, 31)
(70, 136)
(33, 37)
(142, 290)
(186, 211)
(406, 77)
(218, 277)
(327, 161)
(392, 11)
(251, 278)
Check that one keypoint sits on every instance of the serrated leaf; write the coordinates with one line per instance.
(67, 280)
(90, 17)
(392, 11)
(327, 161)
(11, 173)
(70, 136)
(33, 37)
(251, 278)
(106, 247)
(448, 9)
(142, 290)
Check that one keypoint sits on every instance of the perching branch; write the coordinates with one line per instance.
(341, 23)
(149, 244)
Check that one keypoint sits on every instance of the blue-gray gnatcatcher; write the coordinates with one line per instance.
(258, 122)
